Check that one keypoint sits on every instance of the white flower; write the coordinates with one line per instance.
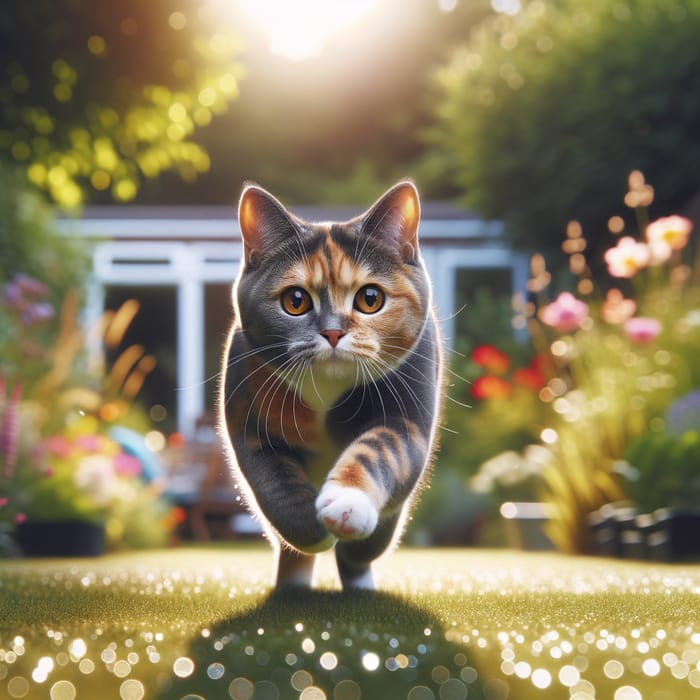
(96, 478)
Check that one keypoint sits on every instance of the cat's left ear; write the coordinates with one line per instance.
(394, 218)
(263, 220)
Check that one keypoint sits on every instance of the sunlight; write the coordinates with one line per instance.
(298, 29)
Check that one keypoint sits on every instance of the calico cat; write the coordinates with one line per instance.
(331, 379)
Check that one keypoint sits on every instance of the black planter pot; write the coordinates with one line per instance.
(666, 535)
(60, 538)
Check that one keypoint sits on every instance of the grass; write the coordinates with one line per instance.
(448, 625)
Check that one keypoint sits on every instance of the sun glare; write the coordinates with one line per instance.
(299, 29)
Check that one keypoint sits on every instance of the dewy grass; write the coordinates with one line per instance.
(448, 624)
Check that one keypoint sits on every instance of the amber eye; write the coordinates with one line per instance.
(296, 301)
(369, 299)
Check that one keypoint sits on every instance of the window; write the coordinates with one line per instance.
(218, 315)
(154, 327)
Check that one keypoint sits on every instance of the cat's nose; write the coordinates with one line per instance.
(333, 335)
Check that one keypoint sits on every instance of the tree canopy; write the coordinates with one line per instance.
(100, 96)
(542, 115)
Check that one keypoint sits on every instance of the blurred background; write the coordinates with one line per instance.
(555, 145)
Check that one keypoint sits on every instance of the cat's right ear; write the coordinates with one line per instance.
(263, 220)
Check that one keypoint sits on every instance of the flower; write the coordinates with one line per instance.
(127, 465)
(490, 387)
(491, 358)
(565, 313)
(627, 257)
(95, 476)
(512, 471)
(58, 446)
(642, 329)
(56, 461)
(529, 378)
(23, 296)
(616, 309)
(666, 235)
(9, 429)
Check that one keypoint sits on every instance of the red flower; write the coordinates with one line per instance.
(540, 362)
(529, 377)
(490, 387)
(491, 358)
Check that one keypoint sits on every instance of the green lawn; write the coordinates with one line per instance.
(448, 624)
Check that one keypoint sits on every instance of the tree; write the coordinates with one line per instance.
(102, 95)
(541, 116)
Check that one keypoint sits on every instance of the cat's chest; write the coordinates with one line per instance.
(322, 454)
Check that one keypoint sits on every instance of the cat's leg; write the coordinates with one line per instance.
(294, 568)
(281, 493)
(355, 557)
(373, 476)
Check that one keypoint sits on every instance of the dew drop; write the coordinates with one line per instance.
(62, 690)
(183, 667)
(627, 692)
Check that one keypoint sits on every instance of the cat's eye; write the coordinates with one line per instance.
(296, 301)
(369, 299)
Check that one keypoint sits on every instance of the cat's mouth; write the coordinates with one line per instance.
(334, 357)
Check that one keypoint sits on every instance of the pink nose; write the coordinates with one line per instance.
(332, 336)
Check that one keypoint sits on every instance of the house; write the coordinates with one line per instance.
(180, 262)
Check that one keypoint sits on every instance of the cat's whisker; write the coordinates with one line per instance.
(359, 382)
(433, 360)
(284, 371)
(271, 379)
(403, 378)
(301, 369)
(369, 363)
(313, 384)
(246, 377)
(289, 379)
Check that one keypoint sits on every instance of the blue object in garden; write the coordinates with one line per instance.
(684, 414)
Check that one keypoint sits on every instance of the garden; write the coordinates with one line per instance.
(556, 552)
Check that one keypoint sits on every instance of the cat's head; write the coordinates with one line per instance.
(339, 296)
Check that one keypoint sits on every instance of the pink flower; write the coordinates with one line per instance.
(89, 443)
(627, 257)
(617, 309)
(127, 465)
(565, 313)
(671, 231)
(30, 286)
(9, 431)
(58, 446)
(642, 329)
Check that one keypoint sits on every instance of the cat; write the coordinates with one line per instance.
(331, 380)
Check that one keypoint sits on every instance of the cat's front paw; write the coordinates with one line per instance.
(347, 512)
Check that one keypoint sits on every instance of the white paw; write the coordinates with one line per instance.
(346, 512)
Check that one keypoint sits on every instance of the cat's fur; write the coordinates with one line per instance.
(331, 379)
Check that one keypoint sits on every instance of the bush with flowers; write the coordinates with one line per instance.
(491, 405)
(57, 460)
(617, 355)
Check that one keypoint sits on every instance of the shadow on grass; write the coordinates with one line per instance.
(328, 645)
